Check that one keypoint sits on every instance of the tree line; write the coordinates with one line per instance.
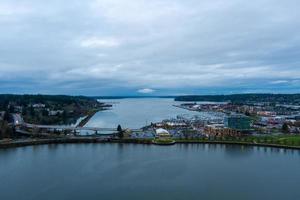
(243, 98)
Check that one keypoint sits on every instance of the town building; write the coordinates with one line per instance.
(55, 112)
(161, 133)
(38, 105)
(238, 122)
(219, 130)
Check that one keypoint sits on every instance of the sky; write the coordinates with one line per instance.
(142, 47)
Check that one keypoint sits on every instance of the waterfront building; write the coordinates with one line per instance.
(238, 122)
(219, 130)
(163, 137)
(162, 133)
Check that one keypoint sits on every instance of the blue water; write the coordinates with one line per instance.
(136, 113)
(148, 172)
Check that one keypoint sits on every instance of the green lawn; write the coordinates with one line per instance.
(285, 140)
(163, 141)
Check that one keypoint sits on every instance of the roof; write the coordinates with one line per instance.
(161, 131)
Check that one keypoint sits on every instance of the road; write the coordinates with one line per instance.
(18, 120)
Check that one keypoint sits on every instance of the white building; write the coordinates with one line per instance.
(162, 133)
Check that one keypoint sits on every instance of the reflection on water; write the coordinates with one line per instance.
(237, 151)
(133, 171)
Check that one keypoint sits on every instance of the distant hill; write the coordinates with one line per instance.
(39, 98)
(242, 98)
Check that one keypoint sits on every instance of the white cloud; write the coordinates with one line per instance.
(279, 82)
(96, 42)
(146, 91)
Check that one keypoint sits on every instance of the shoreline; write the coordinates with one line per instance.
(85, 120)
(86, 140)
(241, 144)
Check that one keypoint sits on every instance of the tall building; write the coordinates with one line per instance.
(238, 122)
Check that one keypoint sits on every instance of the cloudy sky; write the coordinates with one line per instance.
(157, 47)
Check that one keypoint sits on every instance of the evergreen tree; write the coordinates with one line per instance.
(285, 128)
(120, 131)
(32, 113)
(11, 109)
(24, 111)
(6, 116)
(45, 112)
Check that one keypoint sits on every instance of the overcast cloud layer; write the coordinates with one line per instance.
(157, 47)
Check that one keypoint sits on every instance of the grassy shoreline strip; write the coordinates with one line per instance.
(33, 142)
(237, 143)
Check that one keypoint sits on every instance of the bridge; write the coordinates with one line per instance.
(96, 130)
(69, 128)
(19, 122)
